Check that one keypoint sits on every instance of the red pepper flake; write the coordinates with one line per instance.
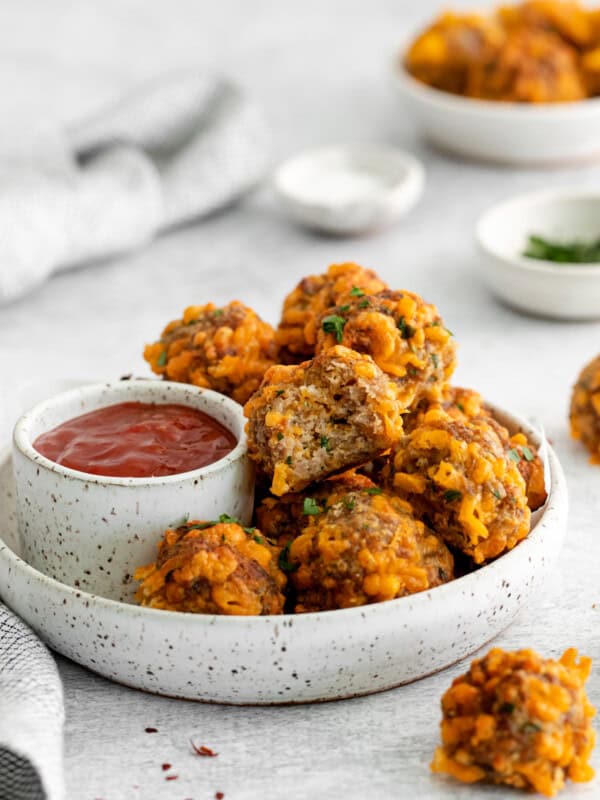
(165, 767)
(203, 750)
(151, 730)
(171, 777)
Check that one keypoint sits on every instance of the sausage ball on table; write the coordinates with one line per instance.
(311, 420)
(227, 348)
(214, 567)
(467, 404)
(461, 481)
(296, 334)
(358, 546)
(281, 519)
(403, 334)
(585, 409)
(518, 720)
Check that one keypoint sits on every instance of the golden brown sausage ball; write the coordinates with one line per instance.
(361, 546)
(282, 518)
(311, 420)
(213, 568)
(443, 55)
(461, 480)
(227, 349)
(403, 334)
(585, 409)
(518, 720)
(467, 405)
(296, 334)
(569, 20)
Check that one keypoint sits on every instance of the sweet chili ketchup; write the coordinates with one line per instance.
(137, 440)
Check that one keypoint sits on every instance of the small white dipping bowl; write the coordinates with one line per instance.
(545, 288)
(349, 189)
(93, 531)
(526, 134)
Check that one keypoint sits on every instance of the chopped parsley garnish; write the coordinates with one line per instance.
(364, 303)
(343, 309)
(435, 360)
(349, 503)
(527, 454)
(284, 563)
(374, 490)
(460, 407)
(530, 727)
(451, 495)
(513, 454)
(310, 507)
(224, 519)
(563, 252)
(405, 329)
(279, 392)
(507, 708)
(334, 324)
(288, 461)
(258, 539)
(279, 436)
(179, 522)
(325, 444)
(498, 494)
(356, 292)
(218, 312)
(162, 359)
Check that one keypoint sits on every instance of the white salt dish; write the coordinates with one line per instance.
(545, 288)
(92, 531)
(349, 189)
(287, 658)
(525, 134)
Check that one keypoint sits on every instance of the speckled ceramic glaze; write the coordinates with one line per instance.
(283, 659)
(92, 531)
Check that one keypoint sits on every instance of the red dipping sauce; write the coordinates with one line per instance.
(137, 440)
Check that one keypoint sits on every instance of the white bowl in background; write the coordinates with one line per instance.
(285, 658)
(349, 189)
(525, 134)
(92, 531)
(563, 291)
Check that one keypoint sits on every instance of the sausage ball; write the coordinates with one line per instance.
(467, 404)
(569, 20)
(443, 55)
(585, 409)
(296, 334)
(361, 546)
(213, 568)
(518, 720)
(311, 420)
(403, 334)
(462, 482)
(281, 519)
(227, 349)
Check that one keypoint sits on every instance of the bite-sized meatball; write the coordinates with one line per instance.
(311, 420)
(519, 720)
(570, 20)
(532, 66)
(461, 480)
(444, 53)
(296, 334)
(215, 567)
(361, 546)
(282, 518)
(467, 405)
(227, 348)
(403, 334)
(585, 409)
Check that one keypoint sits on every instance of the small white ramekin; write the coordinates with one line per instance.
(544, 288)
(93, 531)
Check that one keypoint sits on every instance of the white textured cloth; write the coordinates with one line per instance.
(172, 151)
(31, 716)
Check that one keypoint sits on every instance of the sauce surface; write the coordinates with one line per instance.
(137, 440)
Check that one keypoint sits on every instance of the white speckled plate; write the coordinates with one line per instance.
(283, 659)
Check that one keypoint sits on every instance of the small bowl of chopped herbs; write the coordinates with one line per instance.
(541, 253)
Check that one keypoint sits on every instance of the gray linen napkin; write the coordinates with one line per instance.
(31, 715)
(172, 151)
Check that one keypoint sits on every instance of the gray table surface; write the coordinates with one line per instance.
(321, 70)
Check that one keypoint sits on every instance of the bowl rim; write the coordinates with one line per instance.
(509, 109)
(22, 439)
(534, 265)
(411, 182)
(556, 502)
